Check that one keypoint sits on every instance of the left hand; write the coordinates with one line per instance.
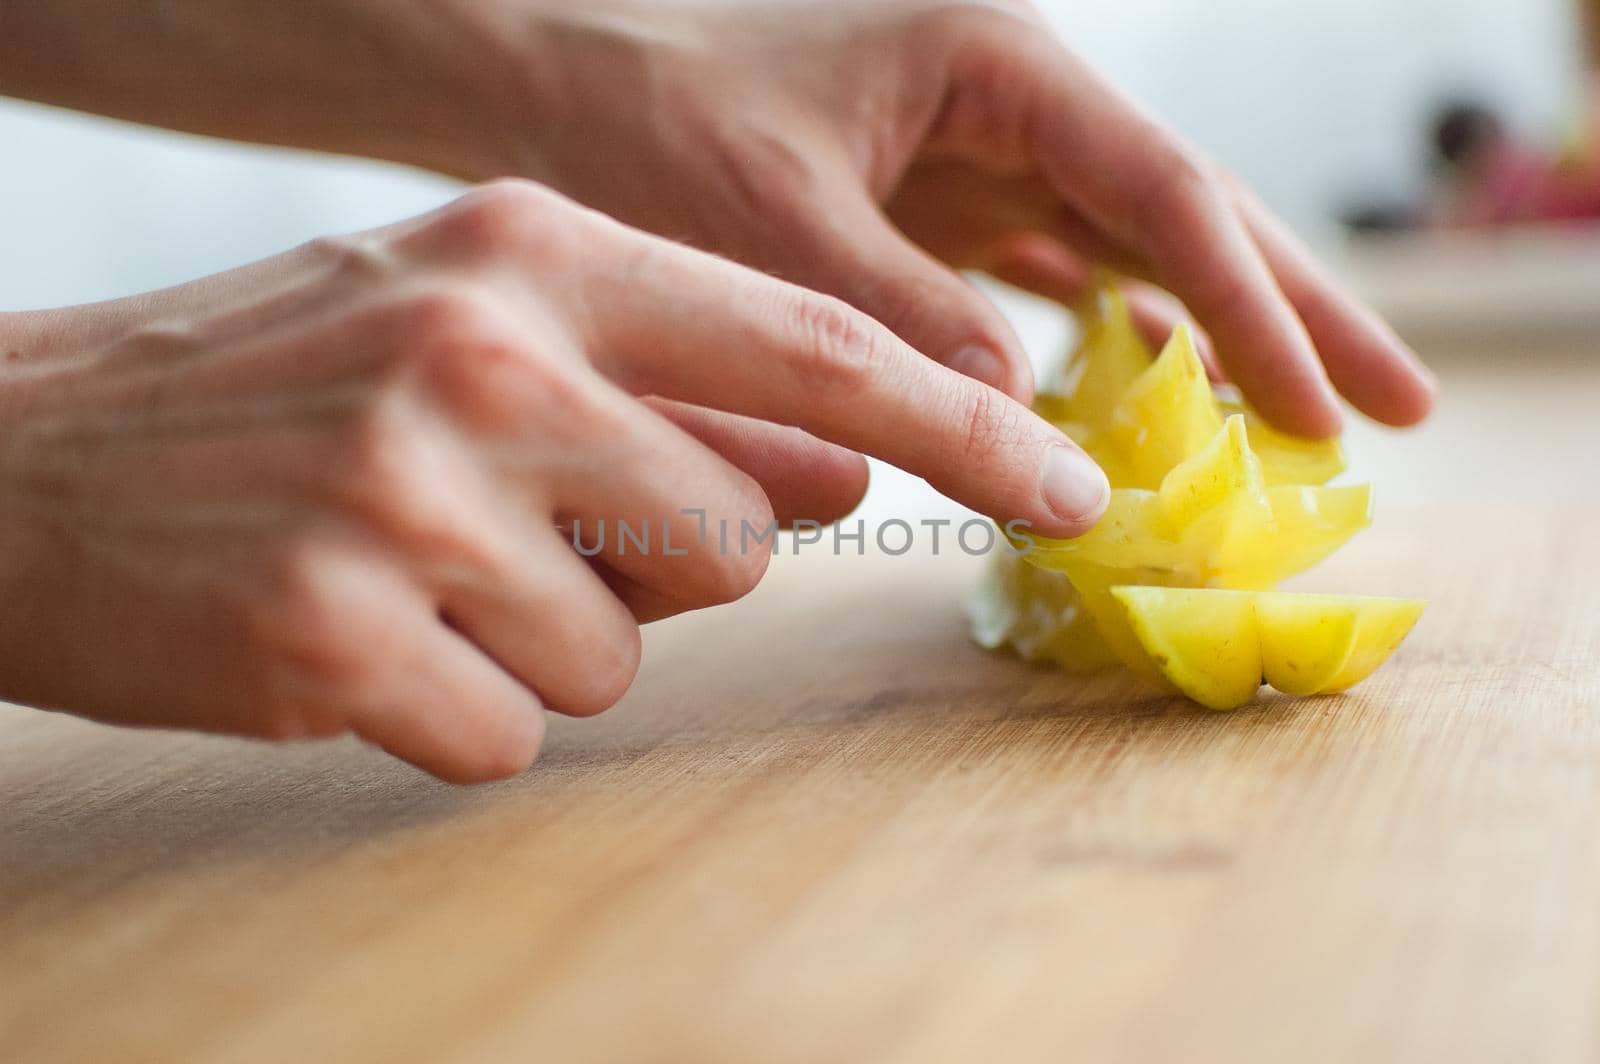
(868, 148)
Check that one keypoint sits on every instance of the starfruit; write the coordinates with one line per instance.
(1207, 499)
(1218, 647)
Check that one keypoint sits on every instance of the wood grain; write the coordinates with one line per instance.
(881, 844)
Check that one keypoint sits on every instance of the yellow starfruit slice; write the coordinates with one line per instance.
(1126, 537)
(1308, 524)
(1224, 469)
(1287, 459)
(1165, 416)
(1109, 359)
(1213, 523)
(1215, 504)
(1217, 647)
(1202, 643)
(1095, 585)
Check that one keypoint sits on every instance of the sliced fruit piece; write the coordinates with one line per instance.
(1224, 469)
(1287, 459)
(1313, 644)
(1249, 542)
(1108, 361)
(1057, 409)
(1307, 525)
(1202, 642)
(1305, 640)
(1205, 642)
(1165, 416)
(1127, 536)
(1383, 626)
(1214, 524)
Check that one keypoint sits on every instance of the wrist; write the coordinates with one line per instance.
(404, 80)
(551, 85)
(487, 91)
(447, 86)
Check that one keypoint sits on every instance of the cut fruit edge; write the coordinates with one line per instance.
(1218, 646)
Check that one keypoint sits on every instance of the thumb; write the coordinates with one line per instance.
(854, 252)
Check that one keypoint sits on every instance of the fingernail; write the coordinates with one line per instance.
(1073, 486)
(981, 364)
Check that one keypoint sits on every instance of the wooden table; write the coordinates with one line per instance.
(826, 827)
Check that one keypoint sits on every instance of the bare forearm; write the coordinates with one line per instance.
(390, 78)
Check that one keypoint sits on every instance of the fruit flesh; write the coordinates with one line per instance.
(1115, 394)
(1212, 523)
(1218, 647)
(1166, 415)
(1205, 496)
(1202, 643)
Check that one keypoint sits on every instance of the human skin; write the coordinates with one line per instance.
(326, 493)
(858, 147)
(331, 492)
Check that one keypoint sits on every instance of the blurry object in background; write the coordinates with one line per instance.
(1501, 252)
(1510, 289)
(1485, 174)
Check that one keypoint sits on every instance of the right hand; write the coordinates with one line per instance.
(330, 492)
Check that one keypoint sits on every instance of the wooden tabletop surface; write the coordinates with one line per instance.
(826, 827)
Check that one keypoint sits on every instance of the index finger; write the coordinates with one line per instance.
(1146, 190)
(690, 326)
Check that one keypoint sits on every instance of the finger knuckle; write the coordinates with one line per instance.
(291, 612)
(406, 336)
(448, 342)
(464, 352)
(990, 423)
(412, 490)
(904, 302)
(901, 299)
(838, 350)
(1181, 189)
(435, 319)
(510, 219)
(391, 471)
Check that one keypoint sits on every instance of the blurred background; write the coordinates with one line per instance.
(1326, 106)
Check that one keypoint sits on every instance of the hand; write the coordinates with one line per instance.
(864, 148)
(333, 492)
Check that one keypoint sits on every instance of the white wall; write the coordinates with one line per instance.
(1317, 100)
(92, 209)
